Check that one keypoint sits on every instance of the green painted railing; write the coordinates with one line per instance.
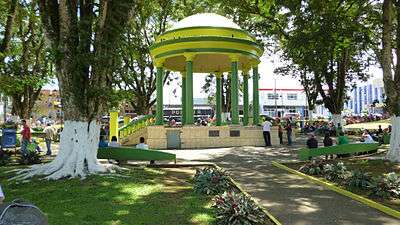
(134, 126)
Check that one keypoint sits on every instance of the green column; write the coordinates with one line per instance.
(256, 106)
(234, 91)
(245, 98)
(189, 90)
(159, 100)
(183, 102)
(218, 102)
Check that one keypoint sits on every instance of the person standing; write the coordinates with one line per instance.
(49, 135)
(328, 142)
(289, 132)
(280, 134)
(26, 137)
(267, 133)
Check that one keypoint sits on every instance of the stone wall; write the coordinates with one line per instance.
(193, 137)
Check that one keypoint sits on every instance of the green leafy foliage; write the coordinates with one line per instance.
(359, 179)
(386, 186)
(234, 208)
(337, 173)
(27, 66)
(211, 181)
(313, 168)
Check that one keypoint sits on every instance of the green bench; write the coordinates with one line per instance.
(127, 153)
(306, 153)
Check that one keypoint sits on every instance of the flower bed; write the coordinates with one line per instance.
(231, 205)
(374, 179)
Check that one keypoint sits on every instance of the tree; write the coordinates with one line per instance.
(8, 27)
(135, 73)
(27, 67)
(391, 71)
(83, 36)
(329, 38)
(307, 80)
(209, 88)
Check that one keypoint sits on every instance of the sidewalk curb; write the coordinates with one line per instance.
(341, 191)
(236, 184)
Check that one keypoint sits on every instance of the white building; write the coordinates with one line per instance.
(364, 95)
(277, 102)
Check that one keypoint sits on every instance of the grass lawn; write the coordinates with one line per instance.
(370, 125)
(142, 196)
(376, 167)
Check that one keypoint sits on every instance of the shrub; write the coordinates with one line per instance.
(234, 209)
(312, 168)
(386, 186)
(211, 181)
(32, 157)
(4, 158)
(359, 179)
(336, 172)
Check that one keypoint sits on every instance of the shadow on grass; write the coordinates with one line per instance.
(143, 196)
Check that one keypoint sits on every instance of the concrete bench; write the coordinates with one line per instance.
(128, 153)
(306, 153)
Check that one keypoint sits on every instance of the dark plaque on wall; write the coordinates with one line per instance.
(213, 133)
(234, 133)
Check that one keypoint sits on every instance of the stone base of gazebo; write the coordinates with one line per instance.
(194, 137)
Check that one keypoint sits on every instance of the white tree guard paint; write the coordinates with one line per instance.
(337, 119)
(77, 156)
(394, 151)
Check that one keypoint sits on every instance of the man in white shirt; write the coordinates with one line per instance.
(49, 132)
(267, 133)
(143, 146)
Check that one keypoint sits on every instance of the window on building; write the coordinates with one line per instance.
(292, 96)
(272, 96)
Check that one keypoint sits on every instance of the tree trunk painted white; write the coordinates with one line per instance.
(394, 151)
(77, 156)
(337, 119)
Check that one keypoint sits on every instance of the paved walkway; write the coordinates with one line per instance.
(291, 199)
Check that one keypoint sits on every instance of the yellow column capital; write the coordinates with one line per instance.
(159, 62)
(218, 74)
(245, 71)
(234, 57)
(255, 64)
(189, 56)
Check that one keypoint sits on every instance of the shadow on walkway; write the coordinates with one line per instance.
(290, 198)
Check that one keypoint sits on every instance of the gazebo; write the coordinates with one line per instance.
(208, 43)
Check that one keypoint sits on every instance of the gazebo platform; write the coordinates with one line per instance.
(195, 137)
